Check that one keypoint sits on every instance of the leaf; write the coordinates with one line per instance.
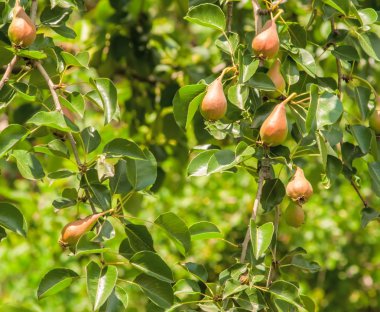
(177, 231)
(55, 281)
(197, 270)
(363, 136)
(28, 165)
(208, 15)
(362, 96)
(139, 237)
(181, 102)
(91, 139)
(193, 108)
(79, 60)
(61, 174)
(261, 237)
(159, 292)
(367, 45)
(374, 172)
(261, 81)
(74, 102)
(117, 301)
(100, 283)
(287, 292)
(238, 95)
(204, 230)
(152, 264)
(124, 148)
(300, 262)
(198, 166)
(311, 113)
(329, 110)
(272, 194)
(368, 215)
(108, 96)
(306, 60)
(249, 69)
(12, 219)
(343, 6)
(10, 136)
(221, 161)
(53, 120)
(298, 35)
(119, 183)
(368, 16)
(347, 53)
(142, 173)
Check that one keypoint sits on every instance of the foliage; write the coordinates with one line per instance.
(99, 114)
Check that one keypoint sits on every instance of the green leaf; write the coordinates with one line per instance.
(374, 172)
(347, 53)
(181, 102)
(74, 102)
(249, 69)
(56, 16)
(198, 166)
(221, 161)
(261, 81)
(272, 194)
(65, 32)
(117, 301)
(300, 262)
(10, 136)
(343, 6)
(363, 136)
(28, 165)
(119, 183)
(368, 215)
(100, 196)
(291, 72)
(108, 96)
(198, 270)
(139, 237)
(55, 281)
(229, 44)
(367, 45)
(311, 113)
(368, 16)
(61, 174)
(90, 138)
(3, 234)
(12, 219)
(306, 60)
(79, 60)
(152, 264)
(36, 55)
(208, 15)
(204, 230)
(362, 99)
(287, 292)
(142, 173)
(100, 283)
(322, 146)
(177, 231)
(329, 110)
(124, 148)
(53, 120)
(238, 95)
(261, 237)
(298, 35)
(193, 108)
(159, 292)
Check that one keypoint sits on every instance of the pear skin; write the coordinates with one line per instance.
(274, 130)
(267, 43)
(214, 104)
(299, 188)
(21, 31)
(294, 215)
(73, 231)
(274, 73)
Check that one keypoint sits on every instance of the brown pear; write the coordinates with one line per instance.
(266, 44)
(214, 104)
(299, 188)
(274, 73)
(274, 130)
(294, 215)
(22, 31)
(73, 231)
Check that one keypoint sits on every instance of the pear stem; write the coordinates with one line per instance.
(278, 14)
(289, 98)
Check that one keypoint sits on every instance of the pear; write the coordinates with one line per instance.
(294, 215)
(22, 31)
(299, 188)
(214, 104)
(274, 130)
(267, 43)
(274, 73)
(73, 231)
(374, 119)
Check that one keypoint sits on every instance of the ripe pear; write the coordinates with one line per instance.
(22, 31)
(274, 130)
(214, 104)
(274, 73)
(294, 215)
(267, 43)
(73, 231)
(299, 188)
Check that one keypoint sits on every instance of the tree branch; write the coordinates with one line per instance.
(230, 8)
(256, 15)
(365, 203)
(58, 108)
(33, 10)
(8, 71)
(262, 175)
(338, 64)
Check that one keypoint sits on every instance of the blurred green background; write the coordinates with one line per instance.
(149, 51)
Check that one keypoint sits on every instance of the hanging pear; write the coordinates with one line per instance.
(214, 104)
(294, 215)
(22, 31)
(374, 119)
(299, 188)
(274, 73)
(267, 43)
(73, 231)
(274, 130)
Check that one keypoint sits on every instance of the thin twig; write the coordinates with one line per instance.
(230, 8)
(33, 10)
(365, 203)
(256, 15)
(8, 71)
(274, 250)
(58, 108)
(262, 176)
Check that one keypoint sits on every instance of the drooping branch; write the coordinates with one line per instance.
(263, 172)
(58, 107)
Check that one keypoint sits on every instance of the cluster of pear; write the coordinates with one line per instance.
(74, 230)
(299, 190)
(21, 31)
